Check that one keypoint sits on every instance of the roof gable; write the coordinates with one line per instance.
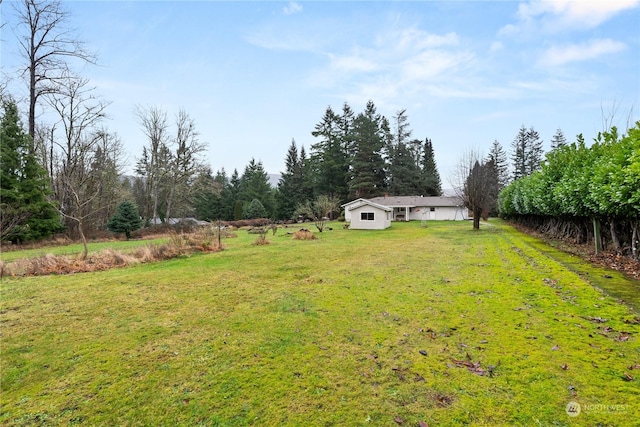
(355, 204)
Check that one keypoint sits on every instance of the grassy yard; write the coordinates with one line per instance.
(439, 325)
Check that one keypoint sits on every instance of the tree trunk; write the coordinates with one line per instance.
(614, 236)
(477, 212)
(84, 240)
(634, 239)
(597, 238)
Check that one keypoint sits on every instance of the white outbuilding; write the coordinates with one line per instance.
(364, 214)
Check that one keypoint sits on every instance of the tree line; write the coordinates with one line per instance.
(65, 171)
(361, 155)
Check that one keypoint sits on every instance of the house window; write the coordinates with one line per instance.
(366, 216)
(432, 209)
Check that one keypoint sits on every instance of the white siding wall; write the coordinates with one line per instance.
(440, 213)
(382, 219)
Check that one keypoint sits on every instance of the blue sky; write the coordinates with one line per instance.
(255, 75)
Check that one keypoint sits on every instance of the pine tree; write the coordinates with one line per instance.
(368, 166)
(431, 184)
(290, 184)
(404, 175)
(329, 156)
(254, 184)
(255, 209)
(527, 152)
(558, 140)
(126, 219)
(498, 157)
(520, 150)
(27, 213)
(536, 151)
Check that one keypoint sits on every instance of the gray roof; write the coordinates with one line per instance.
(415, 201)
(354, 204)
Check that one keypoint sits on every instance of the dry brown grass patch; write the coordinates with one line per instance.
(304, 234)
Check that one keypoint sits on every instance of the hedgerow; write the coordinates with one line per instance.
(579, 187)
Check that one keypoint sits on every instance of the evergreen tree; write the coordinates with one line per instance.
(431, 184)
(527, 152)
(254, 184)
(558, 140)
(306, 176)
(126, 219)
(498, 157)
(27, 214)
(403, 155)
(291, 184)
(206, 195)
(329, 156)
(368, 166)
(234, 201)
(404, 175)
(255, 209)
(519, 154)
(536, 151)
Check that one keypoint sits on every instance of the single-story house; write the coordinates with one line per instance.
(407, 208)
(364, 214)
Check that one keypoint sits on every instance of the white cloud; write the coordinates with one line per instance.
(560, 55)
(394, 64)
(292, 8)
(561, 15)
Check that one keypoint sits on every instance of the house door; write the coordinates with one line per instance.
(432, 213)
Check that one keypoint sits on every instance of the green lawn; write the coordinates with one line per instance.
(441, 325)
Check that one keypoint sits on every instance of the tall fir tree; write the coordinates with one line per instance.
(498, 158)
(329, 157)
(558, 140)
(24, 186)
(289, 193)
(432, 185)
(527, 152)
(368, 166)
(404, 175)
(254, 184)
(536, 151)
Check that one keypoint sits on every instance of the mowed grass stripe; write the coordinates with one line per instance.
(438, 324)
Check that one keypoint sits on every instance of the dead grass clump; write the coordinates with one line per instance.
(179, 244)
(261, 241)
(304, 234)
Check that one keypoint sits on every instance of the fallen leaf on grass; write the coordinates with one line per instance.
(471, 366)
(423, 424)
(623, 337)
(555, 347)
(627, 377)
(423, 352)
(565, 366)
(398, 420)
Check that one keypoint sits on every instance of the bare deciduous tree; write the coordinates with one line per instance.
(151, 165)
(476, 184)
(48, 46)
(185, 162)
